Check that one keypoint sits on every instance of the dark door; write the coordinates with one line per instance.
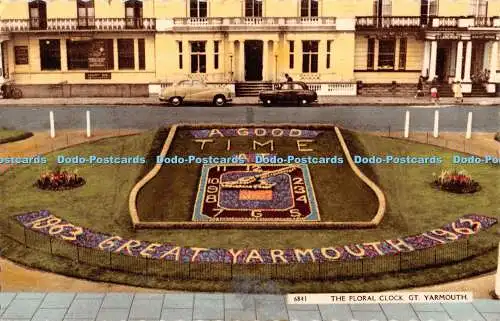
(441, 63)
(253, 60)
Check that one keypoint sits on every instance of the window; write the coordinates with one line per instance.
(291, 61)
(198, 8)
(328, 53)
(386, 50)
(403, 45)
(310, 56)
(90, 55)
(428, 8)
(309, 8)
(126, 54)
(198, 57)
(78, 54)
(21, 56)
(50, 54)
(86, 13)
(180, 54)
(382, 8)
(370, 63)
(253, 8)
(133, 14)
(142, 54)
(38, 14)
(216, 54)
(479, 8)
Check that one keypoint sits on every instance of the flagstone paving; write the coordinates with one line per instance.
(223, 307)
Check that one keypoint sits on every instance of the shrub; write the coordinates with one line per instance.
(58, 180)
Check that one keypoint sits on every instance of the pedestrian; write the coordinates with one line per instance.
(288, 78)
(434, 90)
(457, 90)
(285, 78)
(420, 87)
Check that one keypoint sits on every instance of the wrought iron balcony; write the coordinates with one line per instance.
(372, 22)
(74, 24)
(252, 23)
(484, 21)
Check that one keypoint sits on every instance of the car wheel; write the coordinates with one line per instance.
(268, 102)
(219, 101)
(303, 102)
(176, 101)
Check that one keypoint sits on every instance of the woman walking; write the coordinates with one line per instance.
(420, 87)
(457, 90)
(434, 91)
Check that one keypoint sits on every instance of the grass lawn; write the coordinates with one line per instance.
(7, 136)
(101, 204)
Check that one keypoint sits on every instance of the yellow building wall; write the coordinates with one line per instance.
(405, 8)
(454, 7)
(15, 10)
(170, 9)
(32, 73)
(233, 8)
(62, 9)
(494, 8)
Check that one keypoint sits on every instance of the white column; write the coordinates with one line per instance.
(241, 61)
(265, 60)
(407, 124)
(52, 126)
(468, 133)
(87, 114)
(427, 58)
(432, 68)
(468, 61)
(1, 63)
(436, 124)
(458, 68)
(487, 50)
(115, 54)
(494, 61)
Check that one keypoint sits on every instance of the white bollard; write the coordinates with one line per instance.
(497, 277)
(88, 123)
(468, 134)
(407, 124)
(436, 124)
(52, 127)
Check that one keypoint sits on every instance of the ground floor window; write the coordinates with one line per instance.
(386, 52)
(50, 54)
(198, 57)
(142, 54)
(94, 54)
(126, 54)
(370, 63)
(310, 56)
(179, 43)
(291, 61)
(216, 54)
(403, 47)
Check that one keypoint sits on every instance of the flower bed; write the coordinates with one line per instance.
(45, 223)
(59, 181)
(456, 182)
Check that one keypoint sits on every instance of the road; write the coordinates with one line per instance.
(369, 118)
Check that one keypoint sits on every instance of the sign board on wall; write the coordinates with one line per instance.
(21, 55)
(97, 75)
(97, 55)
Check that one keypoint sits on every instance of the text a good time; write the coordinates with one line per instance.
(220, 139)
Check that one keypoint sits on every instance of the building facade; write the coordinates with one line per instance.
(340, 47)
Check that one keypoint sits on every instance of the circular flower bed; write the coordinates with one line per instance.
(456, 182)
(59, 181)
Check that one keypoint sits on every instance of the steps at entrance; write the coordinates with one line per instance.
(446, 90)
(251, 88)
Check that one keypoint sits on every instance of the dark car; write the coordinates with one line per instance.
(290, 93)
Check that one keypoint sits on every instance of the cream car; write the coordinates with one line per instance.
(190, 91)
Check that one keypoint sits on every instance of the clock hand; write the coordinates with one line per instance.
(253, 178)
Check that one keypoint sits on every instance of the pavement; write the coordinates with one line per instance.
(249, 101)
(30, 306)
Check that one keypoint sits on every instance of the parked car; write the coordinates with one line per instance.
(195, 91)
(295, 92)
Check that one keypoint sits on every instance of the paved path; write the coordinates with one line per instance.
(325, 100)
(368, 118)
(225, 307)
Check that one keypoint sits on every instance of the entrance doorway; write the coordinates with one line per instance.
(253, 60)
(441, 62)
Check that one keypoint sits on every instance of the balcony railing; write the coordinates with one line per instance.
(74, 24)
(252, 23)
(371, 22)
(484, 21)
(445, 22)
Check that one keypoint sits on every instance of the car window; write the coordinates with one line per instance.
(298, 86)
(197, 83)
(184, 83)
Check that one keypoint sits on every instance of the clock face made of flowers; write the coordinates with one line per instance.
(250, 192)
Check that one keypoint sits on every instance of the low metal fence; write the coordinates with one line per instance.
(332, 270)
